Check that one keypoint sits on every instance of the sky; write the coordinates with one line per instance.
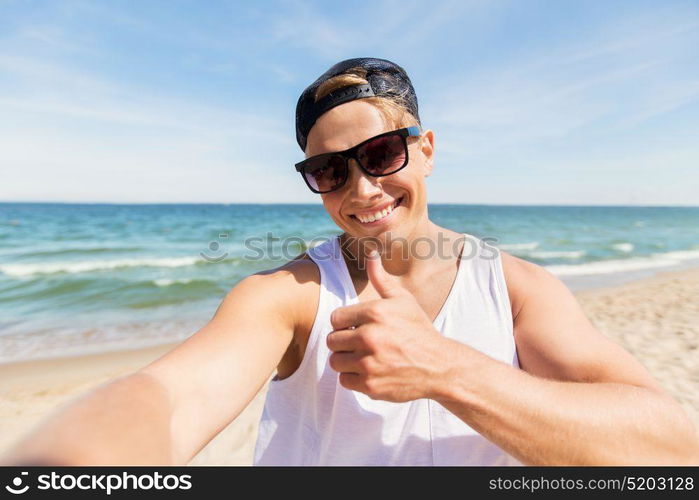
(583, 103)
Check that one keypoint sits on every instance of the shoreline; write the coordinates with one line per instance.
(597, 282)
(181, 328)
(663, 336)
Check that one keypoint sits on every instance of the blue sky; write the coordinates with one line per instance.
(188, 101)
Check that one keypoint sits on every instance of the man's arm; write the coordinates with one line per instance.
(579, 398)
(169, 410)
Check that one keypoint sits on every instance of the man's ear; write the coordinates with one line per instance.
(427, 149)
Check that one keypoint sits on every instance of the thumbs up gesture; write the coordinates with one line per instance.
(387, 348)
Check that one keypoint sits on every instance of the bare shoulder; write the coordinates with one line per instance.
(532, 287)
(525, 278)
(299, 271)
(287, 290)
(555, 338)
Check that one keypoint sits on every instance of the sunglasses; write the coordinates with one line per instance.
(382, 155)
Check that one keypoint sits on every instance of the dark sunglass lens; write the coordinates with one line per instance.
(384, 155)
(326, 174)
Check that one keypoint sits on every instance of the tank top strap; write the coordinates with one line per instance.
(481, 314)
(485, 276)
(333, 271)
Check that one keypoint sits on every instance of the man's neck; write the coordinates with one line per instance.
(416, 254)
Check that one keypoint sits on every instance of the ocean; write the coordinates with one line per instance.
(78, 278)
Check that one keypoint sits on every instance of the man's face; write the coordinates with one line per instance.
(402, 194)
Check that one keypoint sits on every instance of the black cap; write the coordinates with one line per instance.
(385, 78)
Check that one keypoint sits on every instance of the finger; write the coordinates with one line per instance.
(344, 362)
(385, 284)
(348, 316)
(351, 381)
(342, 340)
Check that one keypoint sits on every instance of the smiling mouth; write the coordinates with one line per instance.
(379, 215)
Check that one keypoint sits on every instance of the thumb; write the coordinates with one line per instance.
(387, 285)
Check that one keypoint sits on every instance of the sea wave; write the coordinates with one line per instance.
(74, 251)
(623, 247)
(24, 270)
(679, 254)
(574, 254)
(168, 282)
(519, 246)
(658, 260)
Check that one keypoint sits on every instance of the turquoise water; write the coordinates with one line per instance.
(84, 277)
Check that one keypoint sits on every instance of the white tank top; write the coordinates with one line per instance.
(310, 419)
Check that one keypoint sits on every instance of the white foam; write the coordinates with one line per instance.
(168, 282)
(679, 254)
(659, 260)
(519, 246)
(23, 270)
(575, 254)
(607, 266)
(623, 247)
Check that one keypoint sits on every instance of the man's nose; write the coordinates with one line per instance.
(361, 185)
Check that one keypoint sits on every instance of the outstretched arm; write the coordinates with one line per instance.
(167, 411)
(578, 399)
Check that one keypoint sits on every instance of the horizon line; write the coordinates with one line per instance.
(135, 203)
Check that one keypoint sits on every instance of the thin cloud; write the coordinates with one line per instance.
(552, 96)
(167, 102)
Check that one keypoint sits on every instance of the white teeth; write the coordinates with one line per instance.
(376, 215)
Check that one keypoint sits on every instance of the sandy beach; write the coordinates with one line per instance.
(656, 319)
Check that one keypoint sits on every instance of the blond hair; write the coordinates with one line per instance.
(393, 106)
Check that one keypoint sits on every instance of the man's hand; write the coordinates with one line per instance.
(387, 348)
